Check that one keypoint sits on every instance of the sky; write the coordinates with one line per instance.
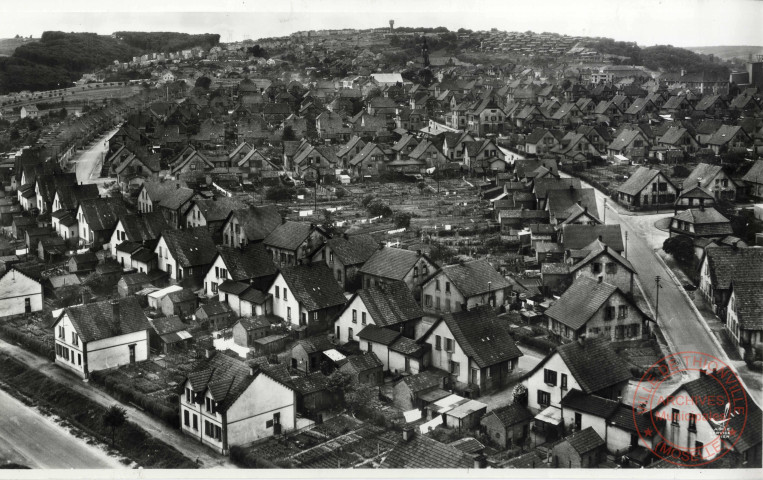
(680, 23)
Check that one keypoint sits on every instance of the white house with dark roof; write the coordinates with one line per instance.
(97, 218)
(700, 222)
(744, 312)
(252, 266)
(713, 179)
(291, 242)
(389, 306)
(169, 197)
(307, 296)
(138, 228)
(475, 347)
(19, 293)
(227, 402)
(250, 225)
(185, 254)
(604, 262)
(396, 352)
(97, 336)
(344, 255)
(389, 264)
(464, 286)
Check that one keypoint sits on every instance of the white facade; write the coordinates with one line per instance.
(117, 237)
(86, 235)
(194, 218)
(19, 294)
(352, 320)
(166, 262)
(252, 416)
(449, 356)
(537, 383)
(217, 274)
(285, 305)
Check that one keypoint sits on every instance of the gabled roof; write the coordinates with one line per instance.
(624, 139)
(103, 213)
(392, 263)
(673, 135)
(541, 186)
(165, 325)
(474, 278)
(217, 209)
(590, 404)
(363, 362)
(190, 246)
(725, 134)
(289, 235)
(480, 334)
(380, 335)
(257, 222)
(245, 264)
(580, 302)
(703, 175)
(512, 414)
(424, 452)
(353, 249)
(315, 382)
(598, 248)
(559, 201)
(391, 304)
(70, 196)
(749, 302)
(585, 440)
(755, 174)
(171, 194)
(727, 264)
(576, 237)
(594, 363)
(143, 226)
(366, 152)
(318, 343)
(639, 180)
(96, 321)
(314, 286)
(698, 216)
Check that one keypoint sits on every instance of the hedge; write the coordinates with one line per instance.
(245, 458)
(127, 394)
(542, 344)
(29, 342)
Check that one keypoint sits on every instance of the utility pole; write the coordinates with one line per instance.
(626, 244)
(657, 301)
(605, 211)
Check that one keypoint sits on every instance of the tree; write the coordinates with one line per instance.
(519, 395)
(378, 208)
(681, 248)
(402, 220)
(113, 419)
(203, 82)
(288, 134)
(280, 193)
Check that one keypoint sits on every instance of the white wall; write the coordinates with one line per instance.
(281, 306)
(212, 277)
(76, 361)
(247, 417)
(344, 322)
(15, 288)
(114, 351)
(166, 262)
(440, 358)
(536, 382)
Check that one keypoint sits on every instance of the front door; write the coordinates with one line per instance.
(578, 421)
(132, 353)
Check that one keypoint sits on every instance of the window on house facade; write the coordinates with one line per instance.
(611, 268)
(278, 292)
(428, 301)
(549, 377)
(692, 422)
(437, 342)
(285, 294)
(363, 318)
(447, 287)
(448, 344)
(544, 398)
(437, 285)
(354, 316)
(288, 313)
(609, 313)
(437, 303)
(674, 415)
(564, 381)
(454, 368)
(622, 311)
(596, 267)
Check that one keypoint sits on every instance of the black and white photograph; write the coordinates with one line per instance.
(429, 238)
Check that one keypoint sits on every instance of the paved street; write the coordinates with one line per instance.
(680, 324)
(187, 446)
(36, 441)
(88, 162)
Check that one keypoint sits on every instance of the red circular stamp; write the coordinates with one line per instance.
(695, 422)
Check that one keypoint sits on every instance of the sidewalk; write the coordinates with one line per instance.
(191, 449)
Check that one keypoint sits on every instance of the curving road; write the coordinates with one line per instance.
(682, 327)
(31, 439)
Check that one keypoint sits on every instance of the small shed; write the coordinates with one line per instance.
(248, 329)
(168, 334)
(366, 368)
(270, 344)
(508, 425)
(132, 283)
(465, 415)
(155, 298)
(109, 273)
(407, 392)
(313, 395)
(582, 449)
(307, 354)
(219, 315)
(51, 249)
(83, 262)
(182, 303)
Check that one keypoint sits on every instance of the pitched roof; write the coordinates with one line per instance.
(389, 262)
(755, 174)
(361, 363)
(475, 277)
(257, 221)
(315, 382)
(597, 248)
(702, 216)
(640, 179)
(591, 404)
(585, 440)
(481, 335)
(95, 321)
(289, 235)
(594, 363)
(542, 186)
(391, 304)
(143, 226)
(576, 237)
(703, 174)
(70, 196)
(217, 209)
(190, 246)
(580, 302)
(165, 325)
(314, 286)
(170, 194)
(353, 249)
(424, 452)
(318, 343)
(103, 213)
(512, 414)
(250, 323)
(248, 263)
(725, 134)
(560, 201)
(727, 264)
(383, 336)
(749, 302)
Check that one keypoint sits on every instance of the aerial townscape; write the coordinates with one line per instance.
(396, 247)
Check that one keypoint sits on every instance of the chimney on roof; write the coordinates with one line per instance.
(701, 207)
(480, 461)
(408, 433)
(209, 352)
(600, 238)
(115, 316)
(581, 339)
(599, 279)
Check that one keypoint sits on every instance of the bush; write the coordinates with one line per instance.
(340, 193)
(280, 193)
(402, 220)
(29, 342)
(542, 344)
(377, 208)
(245, 458)
(127, 394)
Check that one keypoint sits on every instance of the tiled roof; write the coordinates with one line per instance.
(472, 278)
(391, 304)
(70, 196)
(409, 347)
(576, 237)
(468, 445)
(255, 296)
(749, 302)
(165, 325)
(424, 380)
(727, 264)
(593, 363)
(559, 201)
(724, 134)
(232, 287)
(383, 336)
(181, 296)
(258, 222)
(250, 323)
(251, 262)
(698, 216)
(217, 209)
(541, 186)
(353, 249)
(703, 174)
(318, 343)
(638, 180)
(289, 235)
(598, 248)
(591, 404)
(215, 308)
(585, 440)
(363, 362)
(143, 226)
(755, 174)
(315, 382)
(95, 321)
(522, 167)
(171, 194)
(512, 414)
(314, 286)
(482, 336)
(389, 262)
(424, 452)
(580, 302)
(103, 213)
(626, 418)
(191, 246)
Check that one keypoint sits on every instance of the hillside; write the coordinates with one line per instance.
(9, 45)
(730, 52)
(167, 41)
